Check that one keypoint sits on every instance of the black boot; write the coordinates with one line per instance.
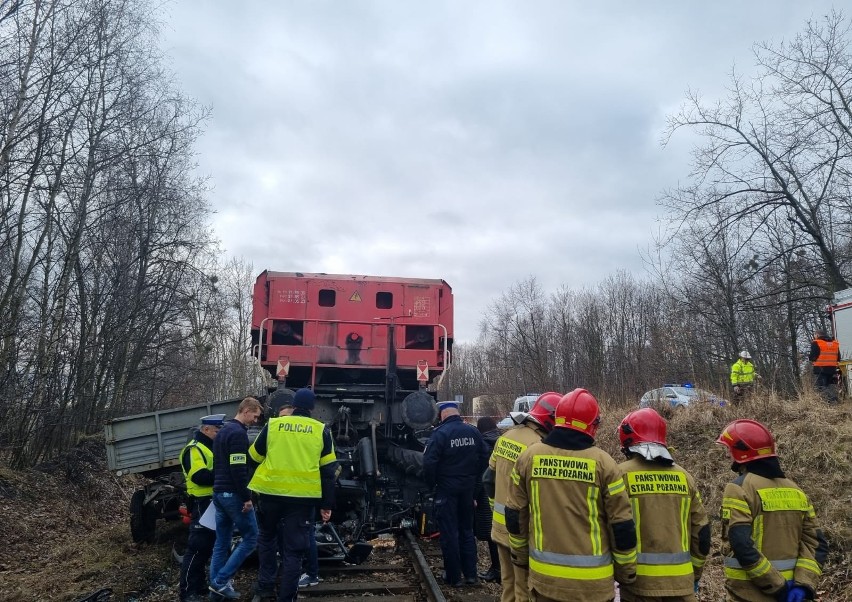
(491, 575)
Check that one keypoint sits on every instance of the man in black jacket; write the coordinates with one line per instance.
(453, 462)
(232, 498)
(482, 518)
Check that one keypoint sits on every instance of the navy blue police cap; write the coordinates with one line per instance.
(213, 420)
(447, 405)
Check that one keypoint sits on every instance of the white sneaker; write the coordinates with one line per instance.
(306, 581)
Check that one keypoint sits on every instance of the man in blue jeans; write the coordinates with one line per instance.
(232, 498)
(311, 577)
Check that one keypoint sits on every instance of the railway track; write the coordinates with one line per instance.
(407, 573)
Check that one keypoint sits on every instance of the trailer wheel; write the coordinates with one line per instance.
(143, 520)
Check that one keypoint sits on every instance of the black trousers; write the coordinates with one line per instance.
(288, 524)
(824, 379)
(193, 576)
(454, 515)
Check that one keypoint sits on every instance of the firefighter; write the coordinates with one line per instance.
(742, 374)
(672, 532)
(775, 549)
(196, 462)
(825, 358)
(454, 459)
(534, 426)
(295, 475)
(567, 512)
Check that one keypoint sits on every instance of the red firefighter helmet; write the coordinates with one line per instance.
(642, 426)
(579, 410)
(747, 440)
(544, 409)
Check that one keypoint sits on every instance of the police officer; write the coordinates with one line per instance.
(269, 537)
(567, 512)
(196, 462)
(673, 532)
(535, 425)
(775, 548)
(454, 459)
(296, 473)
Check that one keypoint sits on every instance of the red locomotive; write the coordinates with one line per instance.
(375, 351)
(330, 331)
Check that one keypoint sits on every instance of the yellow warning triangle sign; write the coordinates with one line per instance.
(356, 296)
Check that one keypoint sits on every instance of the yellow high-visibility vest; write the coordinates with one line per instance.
(293, 458)
(203, 459)
(742, 373)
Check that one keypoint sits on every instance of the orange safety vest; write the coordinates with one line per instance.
(829, 353)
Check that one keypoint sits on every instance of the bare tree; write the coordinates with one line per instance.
(763, 231)
(101, 222)
(779, 146)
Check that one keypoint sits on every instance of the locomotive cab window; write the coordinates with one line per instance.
(327, 297)
(288, 332)
(419, 337)
(384, 300)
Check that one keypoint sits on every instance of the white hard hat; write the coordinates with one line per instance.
(745, 355)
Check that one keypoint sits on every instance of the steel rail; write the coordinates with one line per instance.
(433, 590)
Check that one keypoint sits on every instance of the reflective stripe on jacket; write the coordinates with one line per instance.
(669, 515)
(742, 373)
(829, 353)
(291, 465)
(567, 502)
(787, 542)
(506, 452)
(201, 460)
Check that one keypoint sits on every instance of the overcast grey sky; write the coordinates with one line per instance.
(478, 142)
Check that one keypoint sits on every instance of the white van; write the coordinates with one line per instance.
(520, 406)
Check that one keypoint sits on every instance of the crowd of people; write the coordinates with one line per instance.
(570, 522)
(562, 519)
(289, 471)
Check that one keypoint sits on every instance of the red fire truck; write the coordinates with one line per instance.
(841, 323)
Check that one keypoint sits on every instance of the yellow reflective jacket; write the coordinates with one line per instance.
(506, 451)
(742, 373)
(787, 541)
(669, 517)
(202, 459)
(567, 502)
(290, 461)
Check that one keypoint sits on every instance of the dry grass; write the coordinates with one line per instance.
(64, 532)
